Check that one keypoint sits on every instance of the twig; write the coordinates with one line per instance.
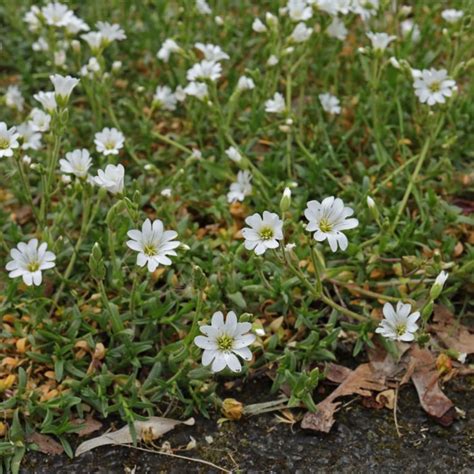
(395, 406)
(186, 458)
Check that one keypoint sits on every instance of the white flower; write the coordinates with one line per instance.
(299, 10)
(111, 179)
(462, 357)
(63, 86)
(330, 103)
(441, 278)
(272, 60)
(410, 29)
(8, 140)
(32, 17)
(153, 244)
(169, 46)
(31, 138)
(301, 33)
(211, 52)
(258, 26)
(28, 260)
(337, 29)
(233, 154)
(196, 89)
(56, 14)
(77, 162)
(110, 32)
(263, 233)
(165, 98)
(47, 100)
(332, 7)
(203, 7)
(380, 41)
(196, 154)
(433, 86)
(245, 83)
(365, 8)
(91, 68)
(116, 66)
(275, 105)
(451, 15)
(94, 39)
(75, 24)
(166, 192)
(241, 188)
(370, 202)
(290, 247)
(398, 324)
(219, 20)
(328, 219)
(223, 341)
(109, 141)
(204, 70)
(40, 45)
(13, 98)
(26, 160)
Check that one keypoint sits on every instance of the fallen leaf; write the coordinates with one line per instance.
(89, 425)
(425, 377)
(360, 381)
(450, 332)
(147, 430)
(46, 444)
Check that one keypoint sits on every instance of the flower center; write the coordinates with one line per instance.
(225, 342)
(149, 250)
(325, 225)
(109, 145)
(4, 143)
(435, 86)
(401, 329)
(33, 266)
(266, 233)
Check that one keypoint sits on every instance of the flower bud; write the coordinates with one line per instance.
(76, 46)
(373, 208)
(438, 285)
(285, 201)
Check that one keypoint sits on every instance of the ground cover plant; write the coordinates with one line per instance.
(194, 193)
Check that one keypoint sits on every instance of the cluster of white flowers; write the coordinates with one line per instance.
(327, 220)
(58, 17)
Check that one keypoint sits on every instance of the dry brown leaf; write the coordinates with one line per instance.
(425, 377)
(360, 381)
(89, 425)
(148, 430)
(46, 444)
(450, 332)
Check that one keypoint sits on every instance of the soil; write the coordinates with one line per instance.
(362, 440)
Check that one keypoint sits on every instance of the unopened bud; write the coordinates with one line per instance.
(285, 201)
(438, 285)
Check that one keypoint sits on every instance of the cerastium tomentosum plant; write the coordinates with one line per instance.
(223, 191)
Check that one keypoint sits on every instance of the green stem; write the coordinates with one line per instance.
(26, 188)
(171, 142)
(411, 183)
